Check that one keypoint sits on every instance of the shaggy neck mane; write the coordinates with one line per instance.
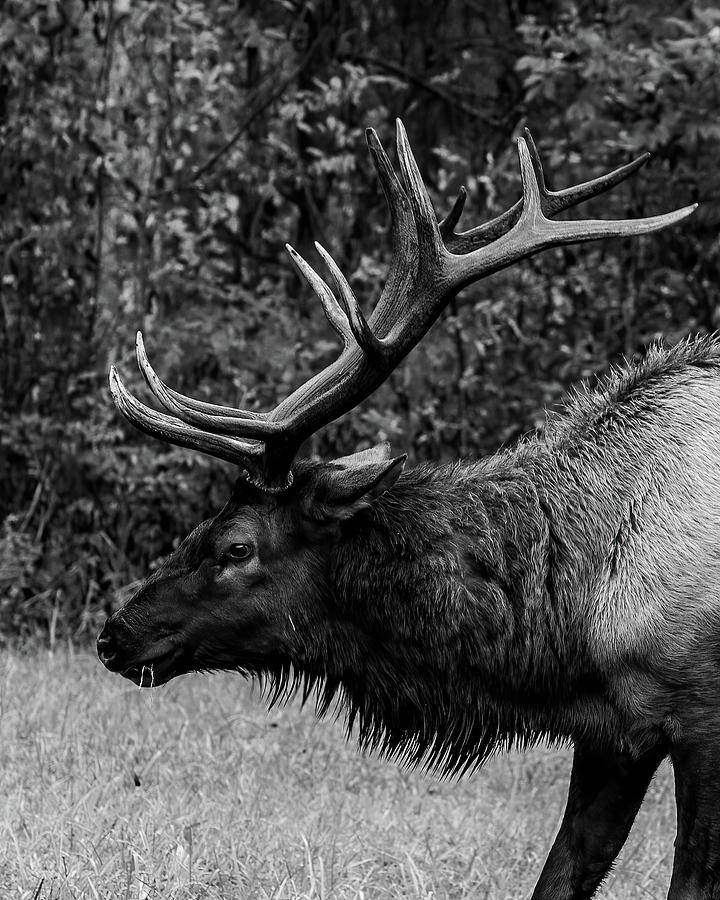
(460, 603)
(444, 632)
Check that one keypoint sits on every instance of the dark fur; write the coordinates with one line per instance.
(554, 590)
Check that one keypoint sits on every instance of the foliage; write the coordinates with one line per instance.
(155, 157)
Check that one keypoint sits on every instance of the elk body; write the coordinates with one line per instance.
(563, 589)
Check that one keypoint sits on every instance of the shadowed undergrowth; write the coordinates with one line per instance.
(193, 791)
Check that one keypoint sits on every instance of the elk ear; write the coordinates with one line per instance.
(351, 483)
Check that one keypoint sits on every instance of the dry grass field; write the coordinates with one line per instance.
(194, 791)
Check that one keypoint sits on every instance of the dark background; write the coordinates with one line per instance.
(154, 158)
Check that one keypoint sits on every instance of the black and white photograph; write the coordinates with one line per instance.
(359, 450)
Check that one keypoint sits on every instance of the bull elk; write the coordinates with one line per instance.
(567, 588)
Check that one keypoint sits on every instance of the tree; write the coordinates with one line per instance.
(154, 159)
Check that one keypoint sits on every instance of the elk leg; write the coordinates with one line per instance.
(606, 790)
(696, 869)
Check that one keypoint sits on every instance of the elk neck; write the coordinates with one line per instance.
(448, 631)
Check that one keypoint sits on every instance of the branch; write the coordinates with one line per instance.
(428, 87)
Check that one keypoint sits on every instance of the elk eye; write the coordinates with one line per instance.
(239, 552)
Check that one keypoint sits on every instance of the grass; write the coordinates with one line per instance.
(194, 791)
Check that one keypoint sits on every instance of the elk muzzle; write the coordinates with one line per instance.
(147, 663)
(110, 644)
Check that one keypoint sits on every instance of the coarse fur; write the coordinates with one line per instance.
(564, 589)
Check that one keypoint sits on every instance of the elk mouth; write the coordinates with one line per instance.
(159, 668)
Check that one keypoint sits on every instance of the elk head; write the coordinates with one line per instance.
(243, 588)
(243, 585)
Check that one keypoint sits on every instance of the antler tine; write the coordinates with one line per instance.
(532, 205)
(558, 201)
(403, 233)
(222, 421)
(553, 202)
(334, 313)
(186, 403)
(426, 224)
(362, 332)
(179, 403)
(173, 431)
(397, 199)
(447, 225)
(536, 162)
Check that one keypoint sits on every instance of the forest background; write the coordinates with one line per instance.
(155, 157)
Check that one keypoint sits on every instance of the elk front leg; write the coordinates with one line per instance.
(696, 869)
(606, 790)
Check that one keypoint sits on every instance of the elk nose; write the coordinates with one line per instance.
(106, 646)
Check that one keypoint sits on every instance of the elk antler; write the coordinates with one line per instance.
(430, 264)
